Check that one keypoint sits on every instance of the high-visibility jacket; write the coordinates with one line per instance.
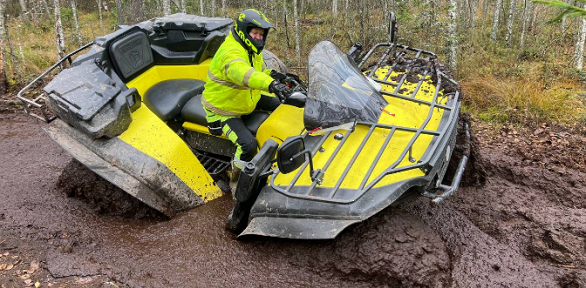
(235, 80)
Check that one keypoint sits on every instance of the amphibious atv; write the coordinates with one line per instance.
(334, 154)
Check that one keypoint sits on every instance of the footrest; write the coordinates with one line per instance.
(213, 166)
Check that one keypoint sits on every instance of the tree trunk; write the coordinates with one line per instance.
(166, 7)
(297, 34)
(362, 32)
(485, 5)
(18, 41)
(183, 6)
(100, 14)
(3, 80)
(137, 13)
(46, 6)
(59, 38)
(526, 19)
(224, 9)
(511, 22)
(14, 58)
(452, 29)
(119, 12)
(473, 4)
(335, 8)
(426, 14)
(24, 11)
(495, 20)
(579, 49)
(201, 7)
(76, 23)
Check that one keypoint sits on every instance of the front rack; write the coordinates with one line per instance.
(448, 129)
(38, 102)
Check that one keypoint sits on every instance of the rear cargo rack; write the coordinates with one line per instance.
(450, 116)
(36, 105)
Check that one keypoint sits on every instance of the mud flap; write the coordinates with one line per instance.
(129, 169)
(107, 171)
(297, 228)
(252, 179)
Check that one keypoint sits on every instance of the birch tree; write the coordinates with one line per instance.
(495, 20)
(119, 12)
(201, 7)
(59, 38)
(335, 8)
(166, 7)
(14, 58)
(46, 6)
(297, 34)
(183, 6)
(579, 49)
(510, 22)
(527, 11)
(2, 54)
(100, 14)
(472, 6)
(452, 30)
(24, 10)
(214, 8)
(76, 23)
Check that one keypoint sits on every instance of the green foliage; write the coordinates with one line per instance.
(568, 9)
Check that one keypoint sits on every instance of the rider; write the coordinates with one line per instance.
(234, 84)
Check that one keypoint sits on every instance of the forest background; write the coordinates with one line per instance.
(515, 65)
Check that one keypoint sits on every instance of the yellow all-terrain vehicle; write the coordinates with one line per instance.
(334, 154)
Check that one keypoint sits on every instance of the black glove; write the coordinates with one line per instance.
(291, 80)
(280, 89)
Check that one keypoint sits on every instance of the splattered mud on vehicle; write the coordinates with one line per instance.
(525, 227)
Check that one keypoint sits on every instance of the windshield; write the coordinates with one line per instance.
(338, 92)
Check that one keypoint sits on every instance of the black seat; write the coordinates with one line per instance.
(193, 112)
(167, 98)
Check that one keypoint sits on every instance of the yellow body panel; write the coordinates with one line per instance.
(407, 114)
(160, 73)
(285, 121)
(152, 136)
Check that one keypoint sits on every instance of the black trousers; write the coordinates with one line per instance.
(237, 132)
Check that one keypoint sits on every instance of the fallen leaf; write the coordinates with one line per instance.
(37, 284)
(2, 267)
(10, 266)
(28, 282)
(6, 254)
(34, 267)
(24, 276)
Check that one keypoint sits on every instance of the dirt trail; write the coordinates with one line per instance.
(526, 227)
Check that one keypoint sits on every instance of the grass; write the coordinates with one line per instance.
(501, 84)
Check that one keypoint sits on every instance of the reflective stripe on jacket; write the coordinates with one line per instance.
(233, 86)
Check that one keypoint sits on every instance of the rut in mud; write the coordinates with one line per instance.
(525, 227)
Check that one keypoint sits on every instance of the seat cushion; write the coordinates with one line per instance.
(253, 120)
(167, 98)
(193, 112)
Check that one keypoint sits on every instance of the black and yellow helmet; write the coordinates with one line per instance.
(247, 20)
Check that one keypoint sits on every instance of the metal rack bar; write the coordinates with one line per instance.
(352, 161)
(300, 171)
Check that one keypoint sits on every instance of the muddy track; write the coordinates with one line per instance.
(526, 227)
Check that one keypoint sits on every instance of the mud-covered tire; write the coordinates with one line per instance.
(273, 62)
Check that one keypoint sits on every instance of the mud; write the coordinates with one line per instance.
(524, 227)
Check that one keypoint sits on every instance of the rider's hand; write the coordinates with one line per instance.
(291, 80)
(280, 89)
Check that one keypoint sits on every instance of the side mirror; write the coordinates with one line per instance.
(291, 154)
